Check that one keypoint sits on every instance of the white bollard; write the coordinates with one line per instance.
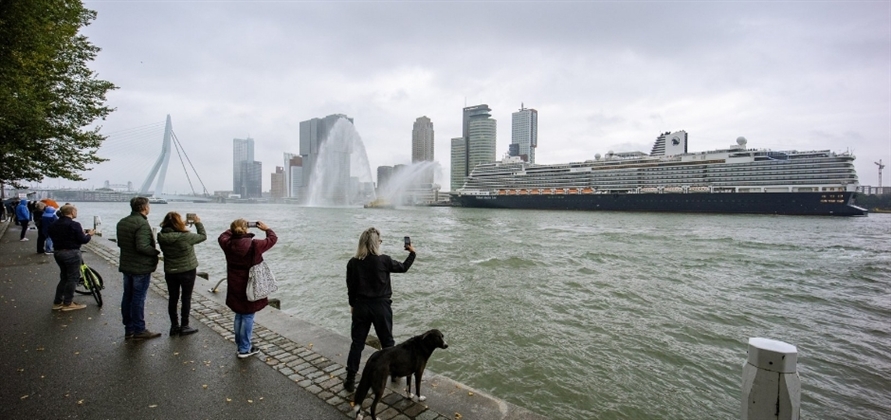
(771, 387)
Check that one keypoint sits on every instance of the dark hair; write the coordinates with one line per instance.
(138, 204)
(174, 221)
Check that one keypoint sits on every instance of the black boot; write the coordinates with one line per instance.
(186, 330)
(349, 384)
(174, 330)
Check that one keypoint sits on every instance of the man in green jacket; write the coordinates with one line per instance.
(139, 258)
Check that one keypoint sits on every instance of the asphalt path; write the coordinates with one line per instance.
(59, 365)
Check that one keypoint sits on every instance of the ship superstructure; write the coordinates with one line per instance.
(732, 180)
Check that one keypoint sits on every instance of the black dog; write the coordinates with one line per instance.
(404, 359)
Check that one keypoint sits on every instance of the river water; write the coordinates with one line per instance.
(601, 315)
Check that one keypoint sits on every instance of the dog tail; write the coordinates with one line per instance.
(362, 389)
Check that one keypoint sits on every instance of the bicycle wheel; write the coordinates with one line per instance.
(82, 288)
(94, 284)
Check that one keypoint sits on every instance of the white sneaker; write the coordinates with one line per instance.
(23, 240)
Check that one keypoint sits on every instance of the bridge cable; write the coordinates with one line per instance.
(176, 140)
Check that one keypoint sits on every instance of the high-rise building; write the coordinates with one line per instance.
(313, 134)
(384, 173)
(422, 149)
(422, 140)
(479, 137)
(524, 133)
(247, 175)
(294, 176)
(278, 189)
(481, 140)
(459, 163)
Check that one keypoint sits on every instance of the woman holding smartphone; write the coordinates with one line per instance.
(180, 267)
(369, 292)
(243, 252)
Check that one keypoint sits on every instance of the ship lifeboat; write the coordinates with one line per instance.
(573, 191)
(698, 189)
(674, 190)
(536, 192)
(524, 192)
(547, 192)
(649, 190)
(501, 192)
(587, 191)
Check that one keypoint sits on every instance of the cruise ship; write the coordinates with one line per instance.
(670, 179)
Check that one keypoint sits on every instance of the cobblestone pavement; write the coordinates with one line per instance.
(298, 362)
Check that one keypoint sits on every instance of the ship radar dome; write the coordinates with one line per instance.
(741, 141)
(597, 156)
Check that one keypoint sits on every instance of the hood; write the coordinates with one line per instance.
(49, 212)
(238, 245)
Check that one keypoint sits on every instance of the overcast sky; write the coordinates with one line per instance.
(602, 75)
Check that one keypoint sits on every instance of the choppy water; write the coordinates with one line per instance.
(603, 315)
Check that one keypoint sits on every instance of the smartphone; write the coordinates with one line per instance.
(190, 218)
(252, 224)
(407, 241)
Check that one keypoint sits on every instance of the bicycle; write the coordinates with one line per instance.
(90, 283)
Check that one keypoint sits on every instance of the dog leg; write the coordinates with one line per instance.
(418, 385)
(408, 393)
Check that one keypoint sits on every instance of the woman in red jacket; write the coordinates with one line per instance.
(242, 252)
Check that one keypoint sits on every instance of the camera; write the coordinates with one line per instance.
(252, 224)
(190, 218)
(407, 241)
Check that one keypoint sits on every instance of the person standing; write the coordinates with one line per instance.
(23, 217)
(243, 252)
(49, 217)
(139, 258)
(68, 236)
(37, 215)
(369, 292)
(180, 267)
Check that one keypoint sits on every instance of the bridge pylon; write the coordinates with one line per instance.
(159, 169)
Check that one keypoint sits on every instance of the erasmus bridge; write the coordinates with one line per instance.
(128, 155)
(159, 171)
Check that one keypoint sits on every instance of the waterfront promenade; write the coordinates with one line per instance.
(77, 365)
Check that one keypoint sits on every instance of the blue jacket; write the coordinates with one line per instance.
(49, 216)
(21, 211)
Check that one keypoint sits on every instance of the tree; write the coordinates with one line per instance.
(48, 95)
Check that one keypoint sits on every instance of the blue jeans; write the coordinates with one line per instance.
(69, 266)
(244, 327)
(133, 302)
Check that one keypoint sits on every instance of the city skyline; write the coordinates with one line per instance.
(605, 76)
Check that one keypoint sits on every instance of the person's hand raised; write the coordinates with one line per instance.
(262, 226)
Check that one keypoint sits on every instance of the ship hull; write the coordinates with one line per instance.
(799, 203)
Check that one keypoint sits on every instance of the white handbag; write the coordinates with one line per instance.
(261, 283)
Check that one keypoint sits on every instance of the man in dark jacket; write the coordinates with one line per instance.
(68, 236)
(139, 258)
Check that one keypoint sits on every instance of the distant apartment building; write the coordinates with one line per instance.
(422, 148)
(247, 174)
(294, 176)
(278, 189)
(524, 133)
(422, 140)
(384, 173)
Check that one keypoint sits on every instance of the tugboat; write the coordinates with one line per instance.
(379, 203)
(157, 200)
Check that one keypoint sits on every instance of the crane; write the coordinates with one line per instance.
(881, 166)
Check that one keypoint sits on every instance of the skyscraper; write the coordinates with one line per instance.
(278, 189)
(313, 133)
(480, 138)
(479, 134)
(247, 174)
(422, 140)
(524, 133)
(459, 163)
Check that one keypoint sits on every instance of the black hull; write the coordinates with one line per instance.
(800, 203)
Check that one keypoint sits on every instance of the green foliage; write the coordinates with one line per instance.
(48, 95)
(873, 201)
